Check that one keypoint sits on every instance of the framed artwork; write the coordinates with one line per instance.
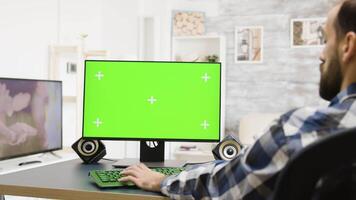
(249, 44)
(307, 32)
(188, 23)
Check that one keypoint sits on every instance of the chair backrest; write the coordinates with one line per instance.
(299, 178)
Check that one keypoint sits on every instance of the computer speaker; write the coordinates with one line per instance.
(90, 151)
(228, 149)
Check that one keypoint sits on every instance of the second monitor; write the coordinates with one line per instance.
(160, 101)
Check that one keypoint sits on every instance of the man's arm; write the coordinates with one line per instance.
(251, 175)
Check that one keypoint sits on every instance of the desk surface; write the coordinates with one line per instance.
(66, 180)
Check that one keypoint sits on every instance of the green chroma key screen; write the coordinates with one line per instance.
(152, 100)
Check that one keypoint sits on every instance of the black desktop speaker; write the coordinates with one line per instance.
(228, 148)
(90, 151)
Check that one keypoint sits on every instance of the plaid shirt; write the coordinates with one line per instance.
(252, 175)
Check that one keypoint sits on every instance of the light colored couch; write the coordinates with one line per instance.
(253, 125)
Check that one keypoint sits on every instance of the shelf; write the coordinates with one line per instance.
(196, 37)
(197, 48)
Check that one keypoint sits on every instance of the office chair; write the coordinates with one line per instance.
(323, 170)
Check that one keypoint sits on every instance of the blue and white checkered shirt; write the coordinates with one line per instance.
(252, 175)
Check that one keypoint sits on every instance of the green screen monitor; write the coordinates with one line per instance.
(144, 100)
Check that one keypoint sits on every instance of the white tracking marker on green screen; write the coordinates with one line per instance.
(206, 77)
(99, 75)
(205, 124)
(152, 100)
(97, 122)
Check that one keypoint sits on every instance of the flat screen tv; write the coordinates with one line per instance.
(30, 117)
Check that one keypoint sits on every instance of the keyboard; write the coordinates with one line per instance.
(109, 178)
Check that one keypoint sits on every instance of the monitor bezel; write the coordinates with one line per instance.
(46, 150)
(151, 139)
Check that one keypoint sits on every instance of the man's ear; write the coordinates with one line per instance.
(349, 47)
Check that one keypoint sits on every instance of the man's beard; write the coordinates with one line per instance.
(330, 82)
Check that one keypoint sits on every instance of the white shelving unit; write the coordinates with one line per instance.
(195, 49)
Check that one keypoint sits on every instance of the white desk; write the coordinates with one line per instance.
(68, 180)
(11, 165)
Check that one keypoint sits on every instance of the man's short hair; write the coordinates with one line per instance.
(346, 18)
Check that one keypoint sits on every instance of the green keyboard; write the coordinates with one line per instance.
(109, 178)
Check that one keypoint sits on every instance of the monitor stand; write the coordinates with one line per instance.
(152, 155)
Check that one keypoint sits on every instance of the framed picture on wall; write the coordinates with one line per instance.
(188, 23)
(307, 32)
(249, 44)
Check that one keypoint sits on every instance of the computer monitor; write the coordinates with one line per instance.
(144, 100)
(30, 117)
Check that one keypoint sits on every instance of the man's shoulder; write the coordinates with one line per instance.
(310, 119)
(303, 114)
(300, 115)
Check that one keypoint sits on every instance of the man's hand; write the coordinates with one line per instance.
(143, 177)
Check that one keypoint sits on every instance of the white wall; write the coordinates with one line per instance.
(120, 28)
(210, 7)
(29, 27)
(81, 16)
(291, 74)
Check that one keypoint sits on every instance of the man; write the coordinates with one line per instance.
(253, 174)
